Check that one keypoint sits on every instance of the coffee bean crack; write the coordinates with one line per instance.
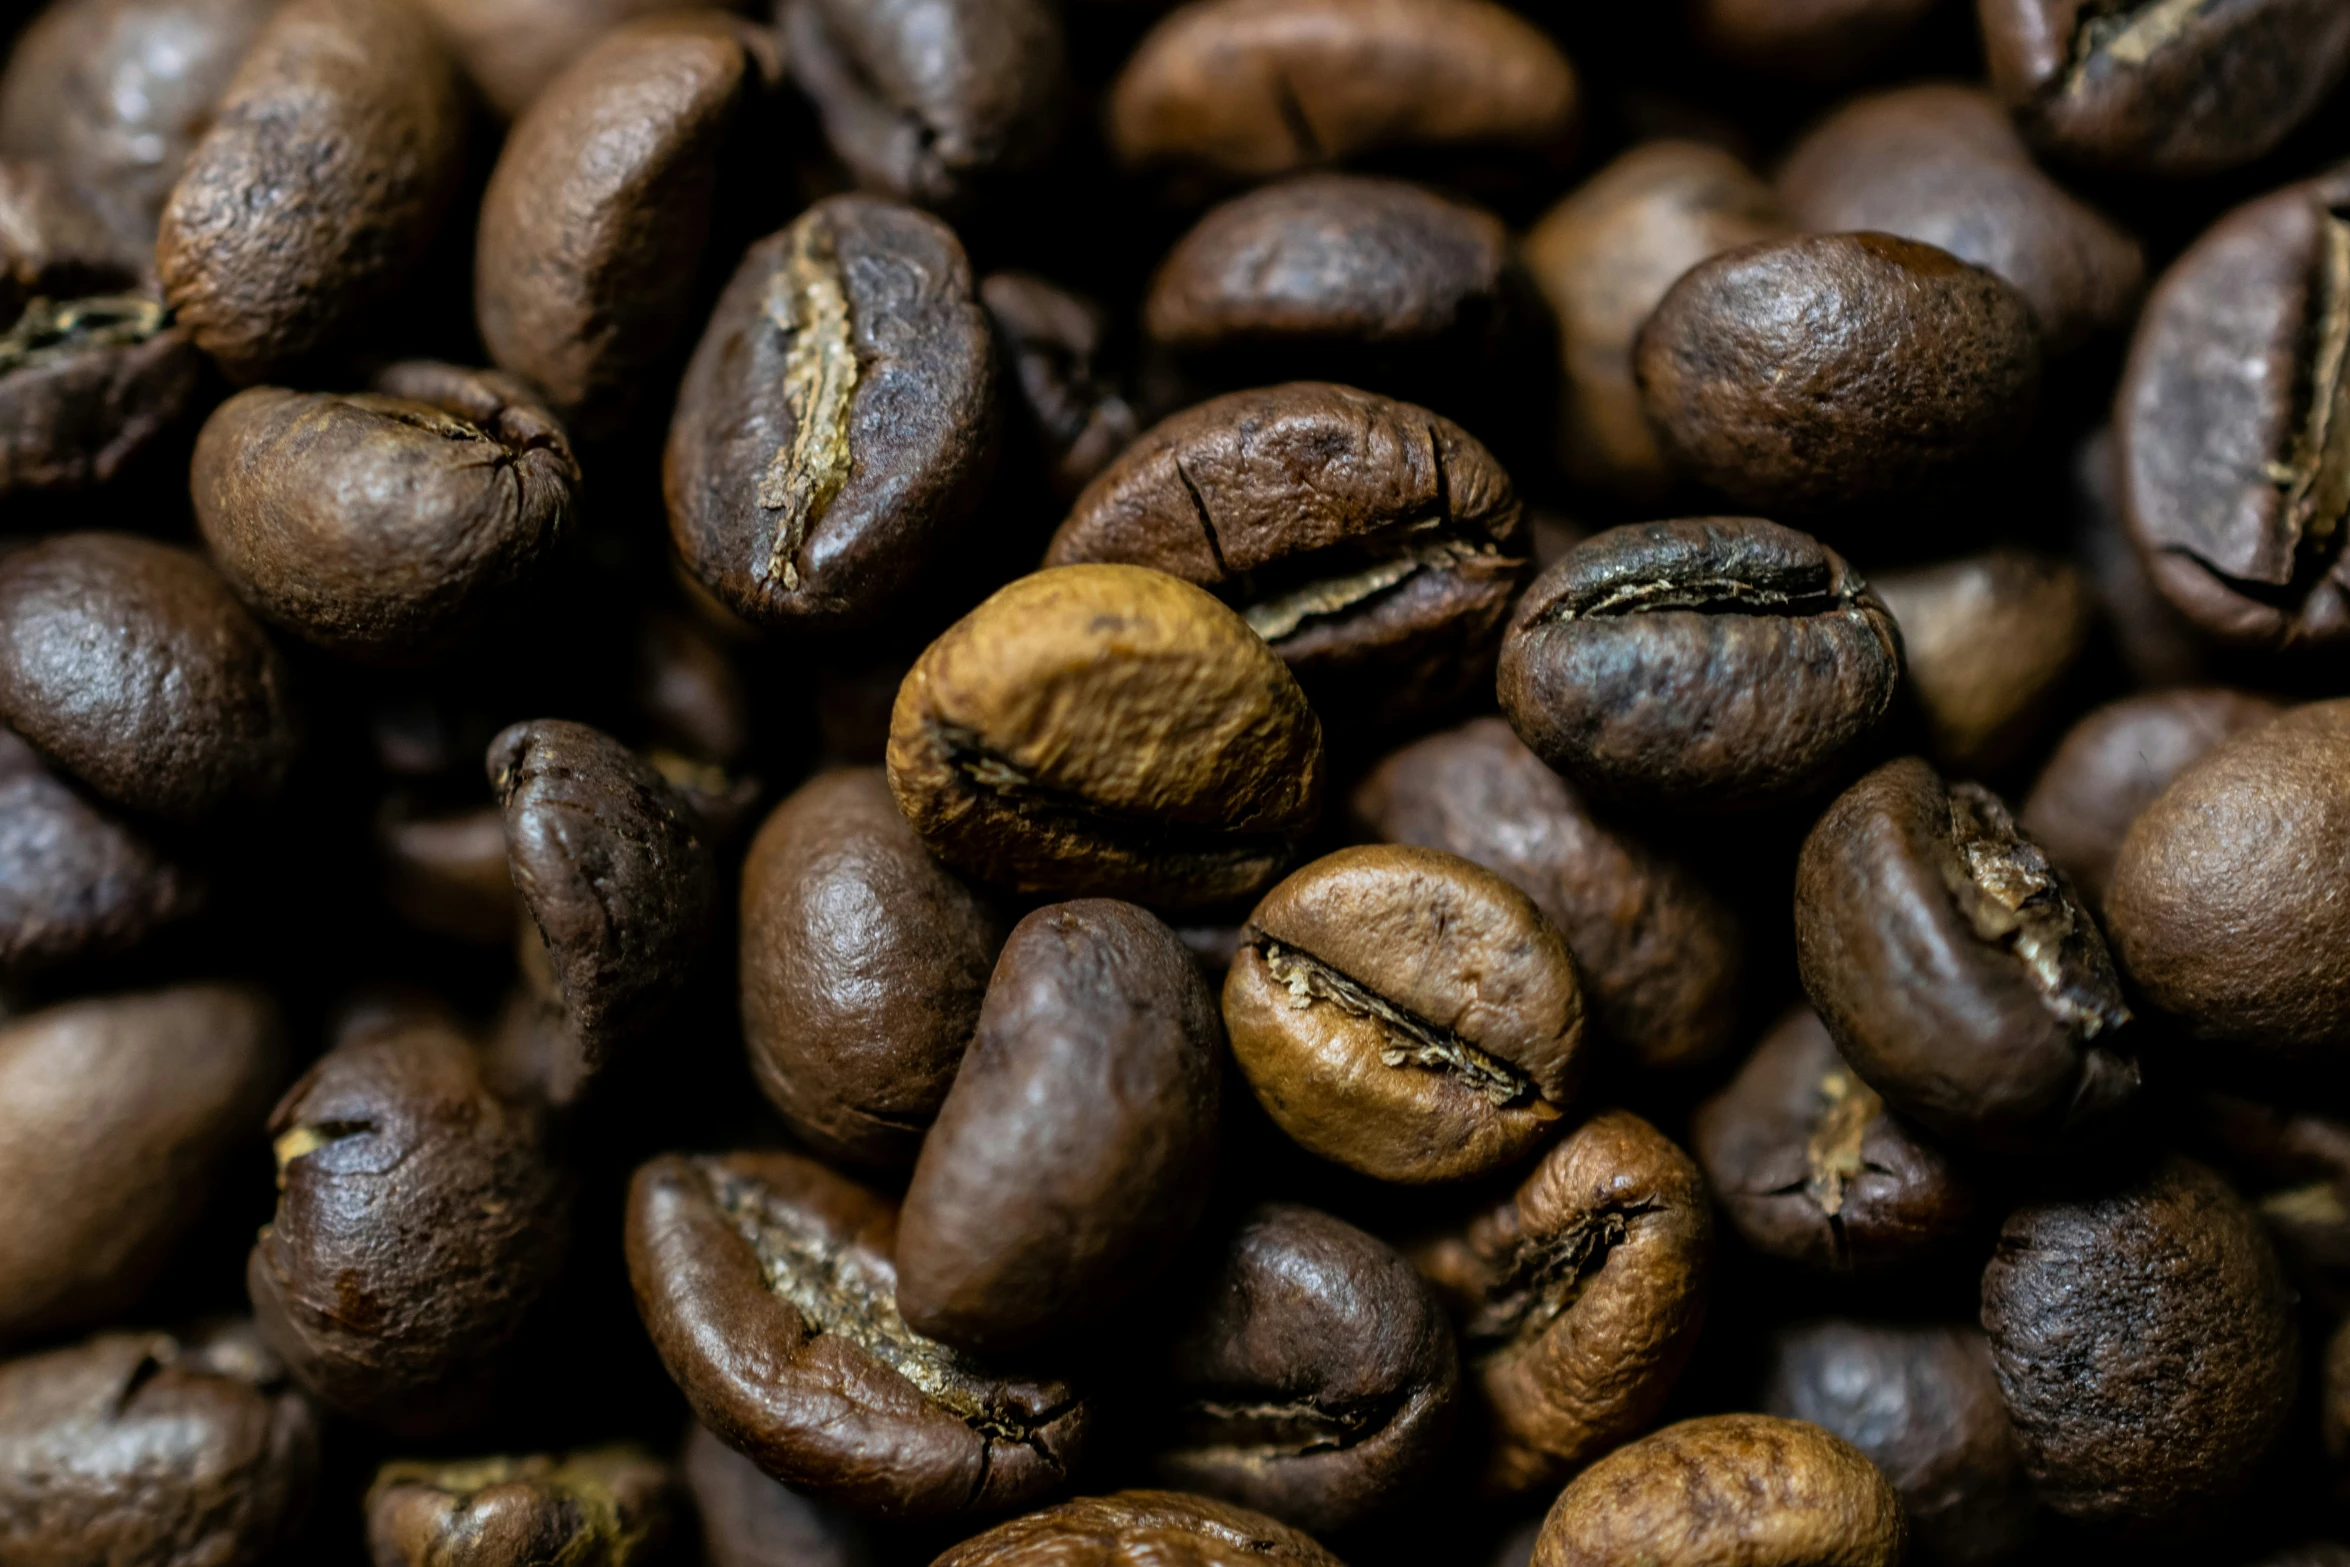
(1266, 1429)
(47, 331)
(1544, 1277)
(2126, 35)
(1794, 595)
(1411, 1040)
(1275, 613)
(2012, 897)
(808, 302)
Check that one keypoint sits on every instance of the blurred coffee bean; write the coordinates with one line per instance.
(2293, 1166)
(1815, 42)
(749, 1520)
(607, 1507)
(2153, 644)
(447, 873)
(1073, 407)
(1141, 1526)
(512, 49)
(1988, 642)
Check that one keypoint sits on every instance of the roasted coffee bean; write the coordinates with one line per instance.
(2114, 763)
(688, 693)
(419, 1219)
(608, 1507)
(1073, 407)
(598, 214)
(1807, 40)
(1987, 643)
(838, 422)
(749, 1520)
(1406, 1013)
(1107, 730)
(2294, 1168)
(512, 49)
(1075, 1149)
(2167, 88)
(1141, 1529)
(1923, 1405)
(766, 1283)
(1580, 1296)
(1603, 259)
(1836, 370)
(387, 526)
(119, 1117)
(447, 873)
(1810, 1166)
(2225, 899)
(2233, 420)
(145, 1447)
(1315, 1377)
(1943, 165)
(1373, 544)
(1961, 977)
(1245, 89)
(316, 188)
(2154, 644)
(129, 664)
(926, 100)
(1710, 663)
(2146, 1341)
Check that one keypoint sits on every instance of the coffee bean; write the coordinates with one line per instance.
(598, 214)
(607, 1507)
(2224, 898)
(2234, 435)
(2114, 763)
(1804, 40)
(391, 525)
(1810, 1166)
(447, 873)
(1373, 544)
(2167, 88)
(129, 664)
(2146, 1342)
(838, 422)
(146, 1447)
(2293, 1166)
(1923, 1405)
(1074, 410)
(1075, 1149)
(766, 1283)
(1961, 977)
(2154, 644)
(1106, 730)
(1580, 1296)
(1944, 165)
(1406, 1013)
(1315, 1377)
(419, 1219)
(1603, 259)
(1133, 1527)
(749, 1520)
(119, 1118)
(1710, 663)
(512, 49)
(317, 186)
(1988, 642)
(1836, 370)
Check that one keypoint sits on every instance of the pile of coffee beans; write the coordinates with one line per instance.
(1174, 783)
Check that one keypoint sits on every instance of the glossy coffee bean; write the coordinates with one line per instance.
(1836, 370)
(2162, 89)
(271, 250)
(2146, 1342)
(1709, 663)
(838, 421)
(130, 665)
(1810, 1166)
(1944, 165)
(512, 49)
(1580, 1296)
(119, 1118)
(419, 1219)
(391, 525)
(1314, 1379)
(1055, 342)
(1660, 952)
(749, 1520)
(1960, 975)
(447, 873)
(2224, 900)
(607, 1507)
(1130, 1528)
(1988, 642)
(1806, 40)
(1107, 730)
(2234, 437)
(151, 1447)
(2115, 762)
(1373, 544)
(1406, 1013)
(766, 1283)
(1603, 259)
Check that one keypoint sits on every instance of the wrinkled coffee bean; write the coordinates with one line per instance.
(1987, 644)
(838, 421)
(1812, 41)
(1054, 340)
(1111, 730)
(447, 873)
(1836, 370)
(1406, 1013)
(1810, 1166)
(608, 1507)
(1959, 974)
(1710, 663)
(766, 1283)
(1580, 1297)
(1141, 1529)
(129, 664)
(512, 49)
(2146, 1341)
(1314, 1379)
(749, 1520)
(1373, 544)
